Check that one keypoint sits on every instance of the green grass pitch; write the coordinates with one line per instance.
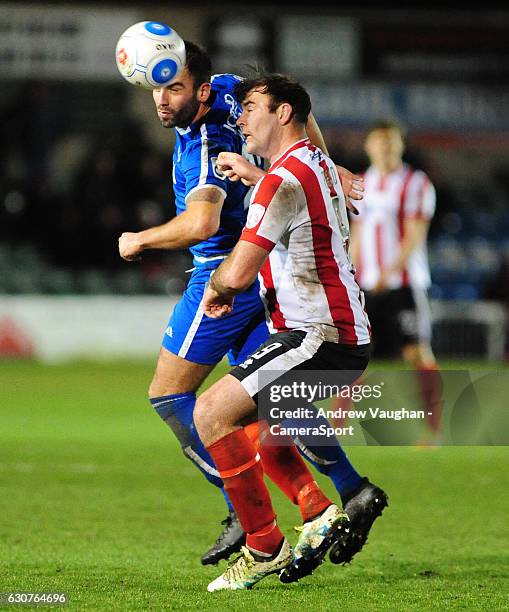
(97, 500)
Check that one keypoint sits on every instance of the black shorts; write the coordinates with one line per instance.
(398, 317)
(298, 350)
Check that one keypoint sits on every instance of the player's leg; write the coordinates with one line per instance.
(328, 458)
(245, 326)
(172, 393)
(238, 461)
(421, 358)
(219, 412)
(363, 501)
(365, 504)
(192, 345)
(184, 363)
(284, 464)
(415, 342)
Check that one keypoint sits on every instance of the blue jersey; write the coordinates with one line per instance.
(190, 334)
(194, 165)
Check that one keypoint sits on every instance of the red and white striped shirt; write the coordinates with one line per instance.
(298, 214)
(388, 201)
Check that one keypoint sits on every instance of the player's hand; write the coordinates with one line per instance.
(237, 168)
(129, 246)
(353, 187)
(381, 284)
(215, 305)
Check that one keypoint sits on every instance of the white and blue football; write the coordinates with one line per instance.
(150, 54)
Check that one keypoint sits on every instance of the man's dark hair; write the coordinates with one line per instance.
(281, 89)
(198, 64)
(387, 124)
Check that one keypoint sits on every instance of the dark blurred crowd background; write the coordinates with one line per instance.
(71, 181)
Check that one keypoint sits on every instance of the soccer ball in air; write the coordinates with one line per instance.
(150, 54)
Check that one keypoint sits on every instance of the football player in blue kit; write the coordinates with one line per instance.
(211, 213)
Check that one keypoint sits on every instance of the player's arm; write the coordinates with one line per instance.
(352, 184)
(418, 210)
(270, 215)
(236, 167)
(355, 247)
(198, 222)
(236, 274)
(415, 231)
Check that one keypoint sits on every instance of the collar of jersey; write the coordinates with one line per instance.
(191, 130)
(292, 147)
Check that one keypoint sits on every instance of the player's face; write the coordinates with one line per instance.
(257, 122)
(385, 147)
(177, 104)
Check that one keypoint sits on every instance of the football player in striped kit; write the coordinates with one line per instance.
(388, 247)
(296, 241)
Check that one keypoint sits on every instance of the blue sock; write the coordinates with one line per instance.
(177, 412)
(325, 454)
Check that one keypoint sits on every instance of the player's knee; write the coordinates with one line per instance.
(154, 389)
(200, 416)
(206, 417)
(161, 388)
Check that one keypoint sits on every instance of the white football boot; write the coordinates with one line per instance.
(245, 570)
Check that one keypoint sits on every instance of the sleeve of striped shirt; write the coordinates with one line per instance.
(271, 212)
(420, 198)
(199, 167)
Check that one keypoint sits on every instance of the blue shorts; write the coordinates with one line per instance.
(192, 335)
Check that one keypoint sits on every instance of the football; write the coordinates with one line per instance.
(150, 54)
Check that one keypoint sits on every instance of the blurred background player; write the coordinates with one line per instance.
(388, 247)
(211, 215)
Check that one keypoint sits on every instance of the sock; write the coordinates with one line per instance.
(284, 466)
(253, 432)
(239, 465)
(325, 454)
(430, 385)
(177, 412)
(312, 501)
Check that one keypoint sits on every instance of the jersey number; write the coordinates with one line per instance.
(259, 354)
